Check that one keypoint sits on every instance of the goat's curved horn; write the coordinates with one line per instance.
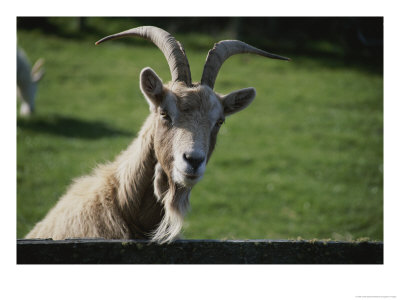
(170, 47)
(221, 52)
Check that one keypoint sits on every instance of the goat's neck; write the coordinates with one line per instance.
(134, 173)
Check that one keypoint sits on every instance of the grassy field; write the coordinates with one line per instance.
(304, 160)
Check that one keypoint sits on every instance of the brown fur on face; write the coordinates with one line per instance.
(193, 105)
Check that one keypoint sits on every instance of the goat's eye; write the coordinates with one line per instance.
(164, 115)
(220, 122)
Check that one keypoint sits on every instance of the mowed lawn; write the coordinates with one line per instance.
(305, 160)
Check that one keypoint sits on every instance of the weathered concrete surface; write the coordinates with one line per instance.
(98, 251)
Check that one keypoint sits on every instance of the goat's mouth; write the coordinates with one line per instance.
(191, 176)
(185, 178)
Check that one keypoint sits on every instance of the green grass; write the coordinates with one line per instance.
(304, 160)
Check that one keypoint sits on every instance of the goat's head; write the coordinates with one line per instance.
(27, 81)
(188, 121)
(188, 115)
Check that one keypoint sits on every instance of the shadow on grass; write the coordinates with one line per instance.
(71, 127)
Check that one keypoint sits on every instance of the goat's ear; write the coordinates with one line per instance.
(152, 87)
(237, 100)
(38, 70)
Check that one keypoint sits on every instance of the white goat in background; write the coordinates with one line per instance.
(145, 192)
(27, 81)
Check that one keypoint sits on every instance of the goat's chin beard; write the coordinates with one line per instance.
(175, 198)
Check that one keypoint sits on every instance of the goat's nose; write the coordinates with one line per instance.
(194, 159)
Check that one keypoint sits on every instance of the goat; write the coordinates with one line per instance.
(144, 193)
(27, 81)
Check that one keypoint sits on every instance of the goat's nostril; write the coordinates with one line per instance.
(194, 160)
